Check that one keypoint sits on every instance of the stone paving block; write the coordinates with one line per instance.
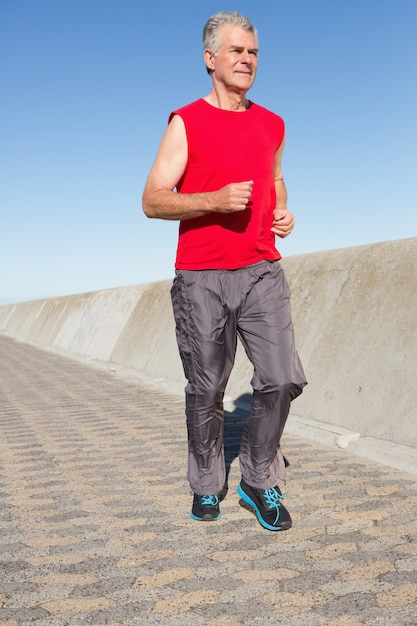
(78, 605)
(95, 526)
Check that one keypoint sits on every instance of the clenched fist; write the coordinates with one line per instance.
(234, 197)
(282, 223)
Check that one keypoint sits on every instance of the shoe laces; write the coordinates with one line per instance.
(209, 500)
(273, 497)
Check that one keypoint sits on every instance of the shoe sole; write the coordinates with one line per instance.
(206, 518)
(262, 522)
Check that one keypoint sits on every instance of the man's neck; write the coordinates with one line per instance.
(227, 101)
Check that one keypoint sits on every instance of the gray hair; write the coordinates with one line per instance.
(212, 29)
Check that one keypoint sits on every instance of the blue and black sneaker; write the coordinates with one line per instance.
(267, 505)
(205, 508)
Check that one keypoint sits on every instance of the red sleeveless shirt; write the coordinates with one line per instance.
(229, 147)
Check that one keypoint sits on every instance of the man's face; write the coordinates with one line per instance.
(236, 62)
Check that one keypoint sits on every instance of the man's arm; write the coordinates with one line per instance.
(283, 221)
(159, 199)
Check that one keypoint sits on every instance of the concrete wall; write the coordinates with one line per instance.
(355, 316)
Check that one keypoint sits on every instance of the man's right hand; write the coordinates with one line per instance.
(233, 197)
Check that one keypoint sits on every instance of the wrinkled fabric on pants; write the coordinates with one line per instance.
(212, 308)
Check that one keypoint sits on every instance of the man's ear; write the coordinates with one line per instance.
(209, 60)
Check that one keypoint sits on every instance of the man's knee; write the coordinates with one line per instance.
(207, 393)
(278, 388)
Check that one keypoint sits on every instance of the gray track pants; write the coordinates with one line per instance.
(211, 309)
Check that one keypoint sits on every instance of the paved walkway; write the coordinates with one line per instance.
(95, 527)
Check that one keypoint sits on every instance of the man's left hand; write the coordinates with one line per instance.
(283, 223)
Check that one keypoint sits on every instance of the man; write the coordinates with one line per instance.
(218, 171)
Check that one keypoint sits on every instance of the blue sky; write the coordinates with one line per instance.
(87, 86)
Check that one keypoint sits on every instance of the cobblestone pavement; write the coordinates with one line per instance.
(95, 526)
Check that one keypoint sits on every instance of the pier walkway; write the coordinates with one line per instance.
(95, 526)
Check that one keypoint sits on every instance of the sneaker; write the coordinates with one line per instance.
(205, 508)
(267, 505)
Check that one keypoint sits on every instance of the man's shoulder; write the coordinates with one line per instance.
(257, 108)
(186, 110)
(186, 107)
